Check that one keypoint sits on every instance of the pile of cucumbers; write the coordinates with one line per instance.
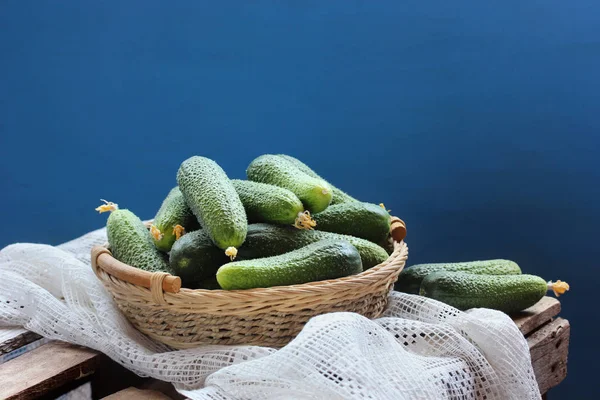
(285, 225)
(496, 284)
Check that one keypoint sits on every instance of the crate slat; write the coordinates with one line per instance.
(14, 338)
(46, 368)
(549, 348)
(537, 315)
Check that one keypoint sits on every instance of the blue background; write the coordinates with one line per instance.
(475, 122)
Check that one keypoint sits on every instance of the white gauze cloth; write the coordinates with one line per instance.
(419, 348)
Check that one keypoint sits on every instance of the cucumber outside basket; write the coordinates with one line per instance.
(181, 318)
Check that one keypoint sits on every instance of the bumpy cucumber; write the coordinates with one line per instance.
(212, 198)
(131, 243)
(195, 259)
(173, 213)
(325, 259)
(268, 203)
(338, 196)
(314, 193)
(410, 278)
(364, 220)
(507, 293)
(266, 240)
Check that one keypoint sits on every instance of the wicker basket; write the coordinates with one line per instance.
(185, 318)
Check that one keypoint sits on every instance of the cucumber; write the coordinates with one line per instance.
(315, 193)
(195, 259)
(266, 240)
(268, 203)
(507, 293)
(173, 212)
(364, 220)
(338, 196)
(131, 243)
(210, 284)
(325, 259)
(409, 280)
(212, 198)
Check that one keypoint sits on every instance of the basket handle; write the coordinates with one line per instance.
(102, 258)
(398, 229)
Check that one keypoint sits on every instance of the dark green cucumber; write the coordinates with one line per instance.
(173, 211)
(507, 293)
(410, 278)
(325, 259)
(338, 196)
(266, 240)
(315, 193)
(268, 203)
(210, 284)
(131, 243)
(212, 198)
(195, 259)
(364, 220)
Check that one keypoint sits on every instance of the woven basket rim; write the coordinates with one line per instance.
(399, 255)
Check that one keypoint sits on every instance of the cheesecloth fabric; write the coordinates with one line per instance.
(419, 349)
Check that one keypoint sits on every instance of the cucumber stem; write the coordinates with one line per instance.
(107, 206)
(305, 221)
(178, 231)
(156, 233)
(231, 252)
(383, 206)
(559, 287)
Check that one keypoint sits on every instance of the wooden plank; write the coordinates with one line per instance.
(46, 368)
(14, 338)
(549, 348)
(137, 394)
(537, 315)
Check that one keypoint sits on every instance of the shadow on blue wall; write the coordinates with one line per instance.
(476, 123)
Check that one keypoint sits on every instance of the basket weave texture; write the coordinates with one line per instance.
(265, 317)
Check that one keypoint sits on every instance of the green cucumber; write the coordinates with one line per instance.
(173, 212)
(195, 259)
(268, 203)
(266, 240)
(315, 193)
(210, 284)
(131, 243)
(364, 220)
(410, 278)
(338, 196)
(212, 198)
(507, 293)
(325, 259)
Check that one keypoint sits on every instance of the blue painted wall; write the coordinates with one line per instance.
(476, 122)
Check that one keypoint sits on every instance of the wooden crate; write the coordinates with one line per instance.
(55, 368)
